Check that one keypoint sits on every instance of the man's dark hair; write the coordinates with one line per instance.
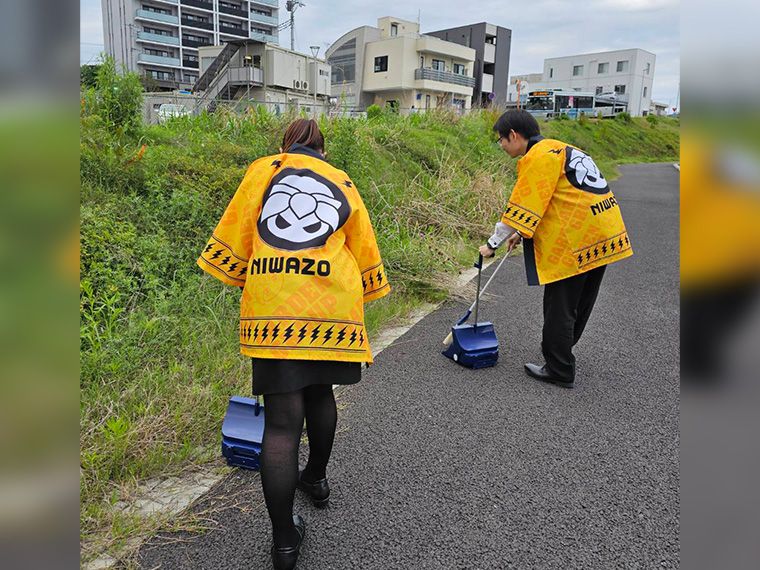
(518, 120)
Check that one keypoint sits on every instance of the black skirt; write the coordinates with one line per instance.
(276, 376)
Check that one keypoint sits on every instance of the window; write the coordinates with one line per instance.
(459, 69)
(551, 72)
(394, 30)
(645, 92)
(599, 90)
(381, 63)
(157, 31)
(197, 39)
(427, 101)
(194, 18)
(622, 66)
(648, 68)
(604, 68)
(158, 52)
(620, 89)
(422, 61)
(577, 70)
(190, 78)
(262, 12)
(162, 75)
(231, 25)
(259, 30)
(343, 62)
(439, 65)
(156, 10)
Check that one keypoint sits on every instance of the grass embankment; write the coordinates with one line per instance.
(159, 355)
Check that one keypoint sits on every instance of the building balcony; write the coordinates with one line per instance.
(166, 1)
(270, 3)
(229, 30)
(239, 12)
(245, 76)
(156, 17)
(444, 77)
(270, 20)
(198, 4)
(157, 60)
(269, 38)
(199, 25)
(157, 38)
(486, 85)
(489, 53)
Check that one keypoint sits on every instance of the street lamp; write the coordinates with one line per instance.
(314, 52)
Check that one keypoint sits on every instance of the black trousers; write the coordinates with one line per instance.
(567, 307)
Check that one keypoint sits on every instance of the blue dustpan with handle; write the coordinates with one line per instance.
(474, 346)
(243, 432)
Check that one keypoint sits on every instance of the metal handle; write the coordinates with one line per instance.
(479, 265)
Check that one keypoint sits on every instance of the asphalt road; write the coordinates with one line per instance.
(436, 466)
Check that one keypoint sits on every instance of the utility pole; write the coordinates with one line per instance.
(291, 6)
(315, 52)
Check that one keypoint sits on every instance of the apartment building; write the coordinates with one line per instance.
(492, 45)
(394, 65)
(160, 38)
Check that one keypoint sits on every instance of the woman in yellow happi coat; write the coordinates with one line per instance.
(297, 238)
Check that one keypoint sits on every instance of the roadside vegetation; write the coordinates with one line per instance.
(158, 338)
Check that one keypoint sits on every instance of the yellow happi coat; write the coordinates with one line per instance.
(565, 209)
(297, 237)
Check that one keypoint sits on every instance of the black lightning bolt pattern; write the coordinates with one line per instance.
(620, 243)
(288, 332)
(208, 247)
(612, 246)
(361, 337)
(256, 332)
(522, 215)
(580, 258)
(379, 277)
(233, 267)
(509, 209)
(341, 335)
(347, 184)
(301, 334)
(243, 270)
(596, 252)
(265, 332)
(533, 225)
(364, 284)
(514, 212)
(275, 332)
(248, 332)
(371, 281)
(315, 333)
(217, 254)
(276, 164)
(352, 338)
(604, 249)
(528, 219)
(588, 255)
(626, 240)
(225, 261)
(328, 334)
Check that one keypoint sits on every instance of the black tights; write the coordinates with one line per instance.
(283, 416)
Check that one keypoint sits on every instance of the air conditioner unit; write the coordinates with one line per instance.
(305, 85)
(297, 84)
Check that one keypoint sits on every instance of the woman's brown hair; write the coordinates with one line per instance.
(305, 132)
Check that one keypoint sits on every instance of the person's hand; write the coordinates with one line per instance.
(513, 241)
(486, 251)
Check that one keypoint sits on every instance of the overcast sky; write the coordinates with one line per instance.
(540, 28)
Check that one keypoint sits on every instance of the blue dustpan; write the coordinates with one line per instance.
(474, 346)
(243, 431)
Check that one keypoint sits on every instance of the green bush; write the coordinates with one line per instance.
(625, 117)
(562, 117)
(653, 120)
(374, 112)
(116, 97)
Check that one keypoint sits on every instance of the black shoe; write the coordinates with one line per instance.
(319, 491)
(285, 558)
(541, 373)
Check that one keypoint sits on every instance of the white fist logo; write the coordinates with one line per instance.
(301, 210)
(582, 172)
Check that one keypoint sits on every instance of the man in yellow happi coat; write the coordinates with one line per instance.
(564, 210)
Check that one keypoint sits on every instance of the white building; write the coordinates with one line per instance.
(160, 38)
(395, 65)
(628, 73)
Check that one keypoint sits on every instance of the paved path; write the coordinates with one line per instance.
(440, 467)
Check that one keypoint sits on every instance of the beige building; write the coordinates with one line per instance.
(394, 65)
(264, 74)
